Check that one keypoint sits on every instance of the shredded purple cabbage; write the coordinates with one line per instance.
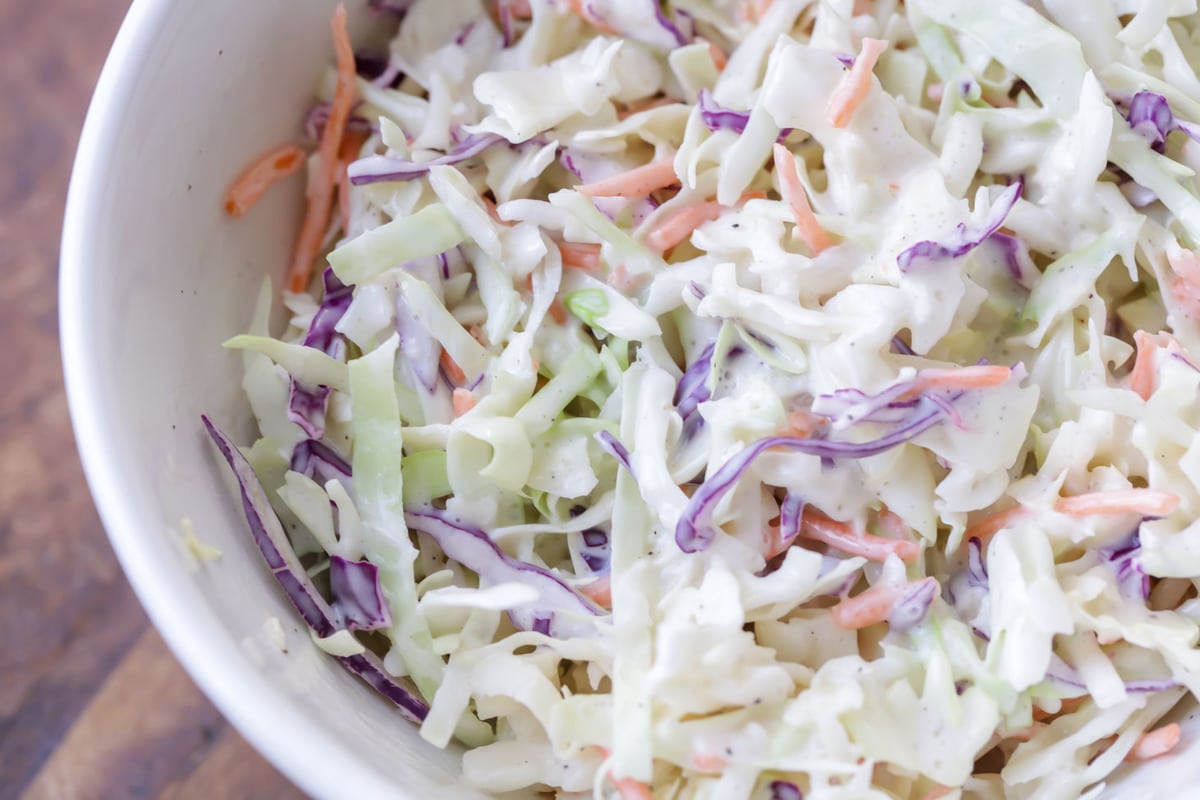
(397, 7)
(1062, 672)
(666, 24)
(421, 351)
(561, 611)
(376, 169)
(901, 347)
(609, 444)
(695, 530)
(1126, 563)
(718, 118)
(977, 574)
(785, 790)
(320, 462)
(791, 512)
(306, 405)
(1016, 256)
(965, 237)
(913, 606)
(276, 550)
(357, 596)
(317, 117)
(596, 551)
(693, 385)
(1151, 117)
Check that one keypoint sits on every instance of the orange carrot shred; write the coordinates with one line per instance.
(719, 57)
(463, 401)
(580, 255)
(871, 606)
(453, 371)
(1141, 379)
(679, 226)
(979, 376)
(320, 196)
(807, 227)
(598, 591)
(558, 311)
(581, 10)
(989, 526)
(1155, 743)
(1147, 502)
(637, 182)
(840, 536)
(260, 176)
(801, 423)
(855, 86)
(709, 762)
(628, 788)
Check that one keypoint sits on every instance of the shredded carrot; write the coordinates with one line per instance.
(753, 10)
(980, 376)
(1186, 264)
(558, 311)
(620, 279)
(1066, 706)
(637, 182)
(581, 10)
(320, 196)
(774, 544)
(719, 58)
(1147, 502)
(628, 788)
(709, 762)
(679, 226)
(464, 401)
(807, 227)
(856, 84)
(1141, 379)
(598, 591)
(861, 7)
(260, 176)
(1186, 294)
(937, 792)
(520, 9)
(1155, 743)
(870, 606)
(893, 524)
(453, 371)
(989, 526)
(579, 255)
(840, 536)
(801, 423)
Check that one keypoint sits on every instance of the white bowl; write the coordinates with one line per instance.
(154, 278)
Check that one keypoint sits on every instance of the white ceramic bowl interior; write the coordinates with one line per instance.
(154, 278)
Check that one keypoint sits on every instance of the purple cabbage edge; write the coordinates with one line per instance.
(1150, 115)
(1125, 561)
(306, 405)
(666, 24)
(420, 349)
(695, 530)
(977, 574)
(596, 551)
(1062, 672)
(791, 511)
(965, 237)
(272, 543)
(318, 115)
(375, 169)
(357, 596)
(609, 444)
(693, 385)
(913, 606)
(320, 462)
(561, 612)
(718, 118)
(397, 7)
(785, 790)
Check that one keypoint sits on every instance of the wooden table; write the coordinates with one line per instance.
(92, 705)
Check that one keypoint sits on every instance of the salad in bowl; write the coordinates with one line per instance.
(746, 399)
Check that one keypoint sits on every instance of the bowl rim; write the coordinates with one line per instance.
(306, 753)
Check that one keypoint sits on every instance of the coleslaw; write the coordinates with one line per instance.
(747, 399)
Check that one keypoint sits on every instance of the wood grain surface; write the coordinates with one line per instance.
(92, 705)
